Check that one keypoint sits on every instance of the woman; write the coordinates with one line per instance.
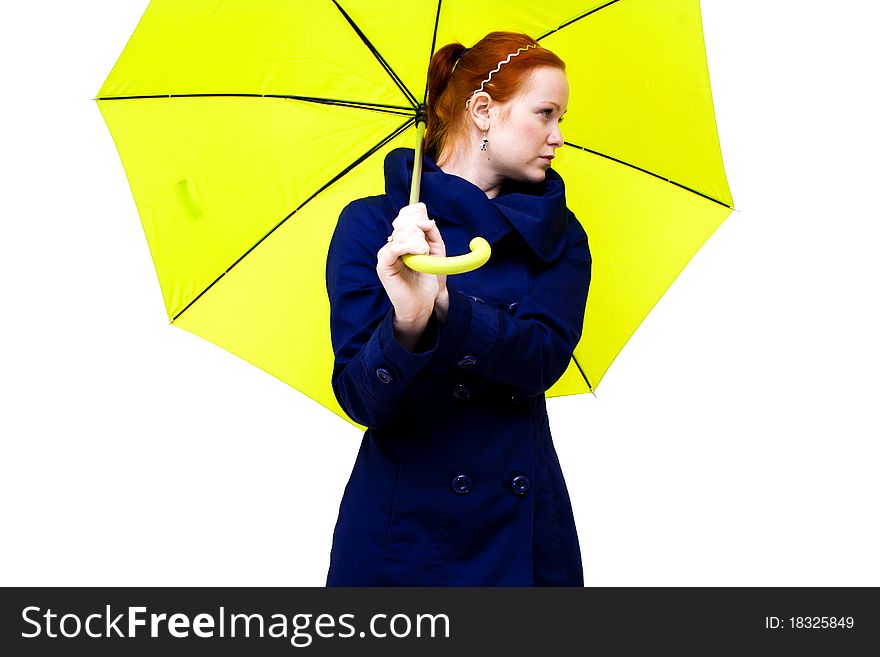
(457, 482)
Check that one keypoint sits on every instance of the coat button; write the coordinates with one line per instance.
(467, 361)
(477, 299)
(462, 484)
(383, 375)
(516, 398)
(512, 307)
(520, 485)
(461, 391)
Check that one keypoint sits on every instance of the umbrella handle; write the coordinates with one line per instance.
(480, 249)
(480, 252)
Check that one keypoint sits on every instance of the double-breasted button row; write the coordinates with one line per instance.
(383, 375)
(462, 484)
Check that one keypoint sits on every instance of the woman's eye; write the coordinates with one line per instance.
(548, 113)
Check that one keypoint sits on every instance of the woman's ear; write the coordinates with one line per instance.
(479, 110)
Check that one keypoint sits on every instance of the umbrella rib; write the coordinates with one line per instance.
(378, 107)
(433, 45)
(575, 20)
(651, 173)
(409, 95)
(583, 374)
(398, 110)
(397, 131)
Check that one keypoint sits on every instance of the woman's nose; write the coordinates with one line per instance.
(555, 138)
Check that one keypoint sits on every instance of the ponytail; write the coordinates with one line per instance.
(440, 70)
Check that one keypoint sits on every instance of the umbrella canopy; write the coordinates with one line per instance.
(245, 126)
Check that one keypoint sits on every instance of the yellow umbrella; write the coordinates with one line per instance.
(245, 126)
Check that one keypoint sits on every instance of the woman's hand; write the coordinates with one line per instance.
(412, 293)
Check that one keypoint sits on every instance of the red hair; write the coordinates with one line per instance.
(455, 72)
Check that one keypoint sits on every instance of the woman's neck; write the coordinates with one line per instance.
(473, 168)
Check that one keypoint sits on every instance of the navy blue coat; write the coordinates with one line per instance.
(457, 482)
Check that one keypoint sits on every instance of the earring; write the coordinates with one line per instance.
(485, 143)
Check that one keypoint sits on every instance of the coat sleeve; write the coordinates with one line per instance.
(372, 371)
(532, 348)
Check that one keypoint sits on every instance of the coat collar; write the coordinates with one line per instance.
(536, 210)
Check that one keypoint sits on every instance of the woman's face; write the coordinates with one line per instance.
(526, 134)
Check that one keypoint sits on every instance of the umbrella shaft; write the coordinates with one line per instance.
(417, 164)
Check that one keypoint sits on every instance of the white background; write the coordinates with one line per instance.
(733, 442)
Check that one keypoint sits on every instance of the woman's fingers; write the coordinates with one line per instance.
(413, 233)
(413, 218)
(388, 254)
(418, 247)
(410, 219)
(409, 213)
(409, 233)
(432, 235)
